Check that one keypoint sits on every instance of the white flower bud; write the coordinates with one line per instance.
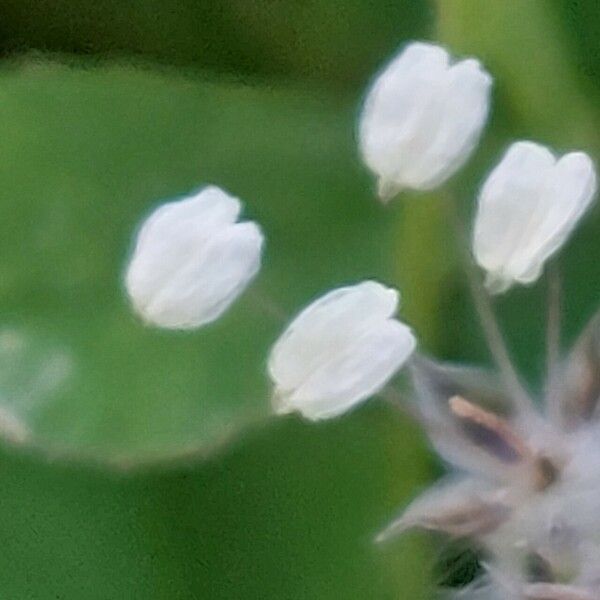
(341, 349)
(527, 209)
(422, 118)
(192, 259)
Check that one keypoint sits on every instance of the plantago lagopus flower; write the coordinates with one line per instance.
(192, 259)
(341, 349)
(528, 206)
(422, 118)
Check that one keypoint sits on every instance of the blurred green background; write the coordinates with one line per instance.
(141, 464)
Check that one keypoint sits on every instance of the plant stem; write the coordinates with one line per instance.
(395, 398)
(489, 323)
(553, 324)
(269, 307)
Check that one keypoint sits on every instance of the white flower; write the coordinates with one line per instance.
(341, 349)
(422, 118)
(528, 206)
(192, 260)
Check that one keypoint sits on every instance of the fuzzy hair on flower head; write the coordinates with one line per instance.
(524, 483)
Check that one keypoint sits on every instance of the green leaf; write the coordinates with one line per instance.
(84, 156)
(527, 52)
(315, 40)
(289, 513)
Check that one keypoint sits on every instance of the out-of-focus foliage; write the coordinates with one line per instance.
(290, 510)
(328, 43)
(85, 155)
(287, 513)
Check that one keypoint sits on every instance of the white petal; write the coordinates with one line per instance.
(354, 373)
(330, 322)
(192, 260)
(506, 202)
(396, 108)
(339, 351)
(568, 192)
(528, 206)
(190, 217)
(463, 109)
(201, 290)
(422, 118)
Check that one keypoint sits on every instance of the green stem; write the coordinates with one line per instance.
(488, 320)
(553, 325)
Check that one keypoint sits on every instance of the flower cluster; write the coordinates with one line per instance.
(525, 476)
